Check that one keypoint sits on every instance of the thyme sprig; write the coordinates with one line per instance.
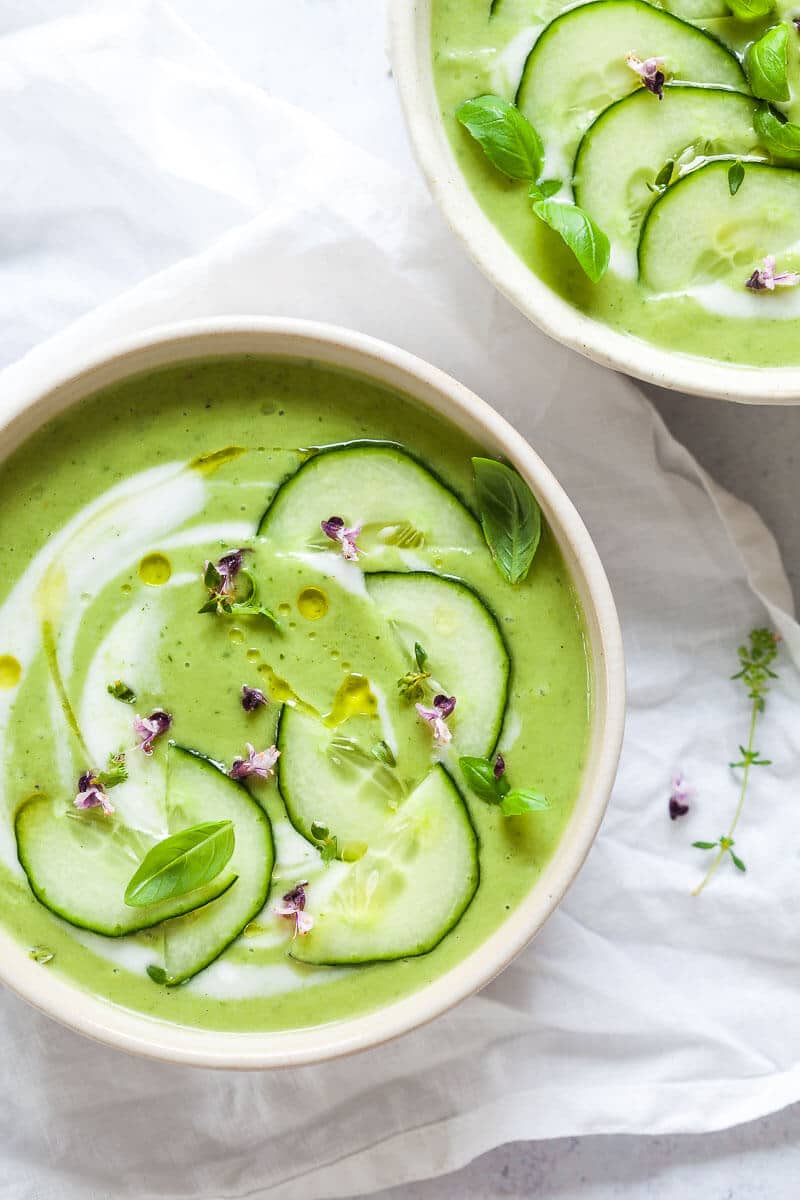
(755, 671)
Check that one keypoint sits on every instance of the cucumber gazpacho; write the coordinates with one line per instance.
(640, 157)
(294, 694)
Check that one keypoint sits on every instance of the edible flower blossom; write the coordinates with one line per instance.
(766, 280)
(294, 903)
(229, 567)
(679, 797)
(260, 763)
(437, 715)
(92, 794)
(150, 728)
(499, 769)
(252, 698)
(337, 531)
(649, 71)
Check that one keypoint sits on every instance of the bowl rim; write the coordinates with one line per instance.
(412, 66)
(49, 391)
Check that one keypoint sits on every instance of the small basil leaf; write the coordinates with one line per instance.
(520, 801)
(664, 177)
(766, 63)
(781, 138)
(212, 577)
(157, 974)
(180, 863)
(121, 691)
(510, 517)
(704, 845)
(420, 656)
(383, 752)
(737, 862)
(506, 137)
(750, 10)
(735, 177)
(479, 774)
(586, 240)
(545, 189)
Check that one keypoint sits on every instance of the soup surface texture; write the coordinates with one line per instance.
(694, 183)
(282, 719)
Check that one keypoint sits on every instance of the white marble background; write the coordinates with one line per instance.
(329, 56)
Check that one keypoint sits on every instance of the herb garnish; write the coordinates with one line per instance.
(40, 954)
(765, 279)
(781, 138)
(252, 698)
(664, 177)
(679, 797)
(436, 716)
(384, 754)
(649, 71)
(335, 529)
(293, 907)
(326, 841)
(735, 177)
(413, 684)
(260, 763)
(181, 863)
(510, 517)
(148, 729)
(121, 691)
(488, 781)
(767, 62)
(750, 10)
(513, 146)
(92, 789)
(221, 577)
(756, 672)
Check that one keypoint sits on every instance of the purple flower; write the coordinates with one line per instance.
(92, 794)
(679, 797)
(499, 767)
(649, 71)
(150, 728)
(437, 717)
(258, 762)
(766, 280)
(252, 698)
(337, 531)
(294, 903)
(229, 567)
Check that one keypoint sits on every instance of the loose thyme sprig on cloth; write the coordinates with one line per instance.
(755, 672)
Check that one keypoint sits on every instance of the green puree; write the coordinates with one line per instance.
(194, 665)
(475, 53)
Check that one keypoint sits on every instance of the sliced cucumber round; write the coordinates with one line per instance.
(467, 656)
(577, 67)
(628, 145)
(78, 865)
(697, 232)
(400, 503)
(330, 777)
(406, 893)
(198, 790)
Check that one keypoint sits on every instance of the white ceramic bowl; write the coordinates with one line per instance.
(22, 414)
(413, 69)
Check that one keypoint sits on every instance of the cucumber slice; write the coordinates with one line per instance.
(406, 893)
(467, 656)
(401, 504)
(78, 866)
(630, 142)
(350, 791)
(577, 67)
(198, 790)
(698, 233)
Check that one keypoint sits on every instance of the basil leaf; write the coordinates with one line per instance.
(705, 845)
(121, 691)
(479, 774)
(520, 801)
(545, 189)
(506, 137)
(157, 974)
(664, 177)
(750, 10)
(180, 863)
(737, 862)
(766, 62)
(781, 138)
(586, 240)
(383, 752)
(420, 656)
(510, 517)
(735, 177)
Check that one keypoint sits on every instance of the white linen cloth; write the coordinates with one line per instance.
(126, 145)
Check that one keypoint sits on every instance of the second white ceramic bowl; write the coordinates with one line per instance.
(25, 412)
(413, 69)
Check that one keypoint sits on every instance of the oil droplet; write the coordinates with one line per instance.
(281, 691)
(284, 608)
(345, 666)
(236, 634)
(10, 671)
(155, 569)
(312, 603)
(354, 698)
(126, 589)
(253, 655)
(353, 851)
(334, 653)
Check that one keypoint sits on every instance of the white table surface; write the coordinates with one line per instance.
(329, 56)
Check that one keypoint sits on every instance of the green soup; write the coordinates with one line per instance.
(108, 516)
(653, 174)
